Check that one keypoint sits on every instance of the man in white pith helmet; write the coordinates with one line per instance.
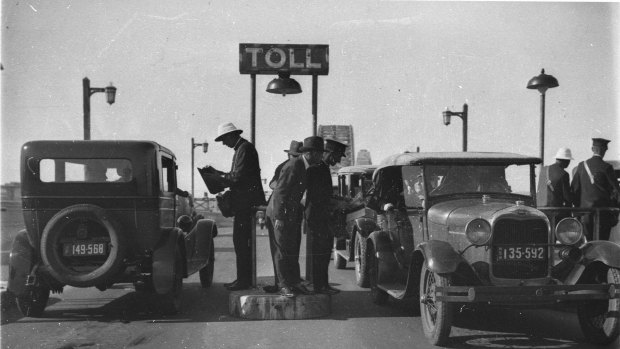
(554, 184)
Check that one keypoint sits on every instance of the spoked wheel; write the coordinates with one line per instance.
(377, 295)
(436, 315)
(361, 263)
(33, 302)
(599, 319)
(206, 273)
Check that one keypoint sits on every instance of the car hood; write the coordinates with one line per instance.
(457, 213)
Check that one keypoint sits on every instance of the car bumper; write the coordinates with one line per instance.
(526, 294)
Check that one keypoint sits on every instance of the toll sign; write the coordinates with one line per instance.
(274, 58)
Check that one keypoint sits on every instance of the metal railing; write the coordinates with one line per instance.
(553, 212)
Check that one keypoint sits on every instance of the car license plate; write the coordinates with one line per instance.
(84, 249)
(520, 253)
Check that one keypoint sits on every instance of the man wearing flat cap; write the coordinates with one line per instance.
(293, 152)
(594, 185)
(318, 213)
(285, 212)
(247, 190)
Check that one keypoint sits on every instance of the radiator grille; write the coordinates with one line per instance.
(520, 233)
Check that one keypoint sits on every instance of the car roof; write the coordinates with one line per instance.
(75, 147)
(367, 169)
(457, 157)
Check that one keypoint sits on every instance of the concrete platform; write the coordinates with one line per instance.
(255, 304)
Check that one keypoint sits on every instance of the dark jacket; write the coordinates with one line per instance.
(285, 199)
(597, 194)
(554, 187)
(244, 177)
(318, 194)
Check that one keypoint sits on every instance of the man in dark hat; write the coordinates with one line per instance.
(593, 185)
(285, 212)
(247, 190)
(318, 212)
(292, 152)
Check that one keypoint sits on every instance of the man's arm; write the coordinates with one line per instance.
(288, 178)
(566, 193)
(242, 166)
(575, 187)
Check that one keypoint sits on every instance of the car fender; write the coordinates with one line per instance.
(205, 230)
(365, 226)
(163, 259)
(21, 261)
(440, 257)
(381, 242)
(606, 252)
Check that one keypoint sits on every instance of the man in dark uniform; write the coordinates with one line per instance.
(318, 212)
(554, 185)
(285, 212)
(593, 185)
(247, 190)
(293, 152)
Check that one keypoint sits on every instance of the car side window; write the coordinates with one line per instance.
(413, 184)
(168, 180)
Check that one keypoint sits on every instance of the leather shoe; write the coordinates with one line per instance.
(228, 284)
(327, 290)
(238, 286)
(270, 288)
(286, 292)
(300, 288)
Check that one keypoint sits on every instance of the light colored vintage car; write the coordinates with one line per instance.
(452, 229)
(104, 212)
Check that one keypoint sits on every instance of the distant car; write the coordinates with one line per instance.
(353, 181)
(462, 228)
(615, 231)
(104, 212)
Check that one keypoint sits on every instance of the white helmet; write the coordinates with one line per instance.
(564, 154)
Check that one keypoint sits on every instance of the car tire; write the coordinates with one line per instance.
(206, 273)
(436, 316)
(170, 303)
(51, 251)
(339, 261)
(361, 262)
(599, 318)
(377, 295)
(33, 301)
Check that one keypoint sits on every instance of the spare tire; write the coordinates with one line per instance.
(83, 246)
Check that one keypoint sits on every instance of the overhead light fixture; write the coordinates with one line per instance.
(284, 85)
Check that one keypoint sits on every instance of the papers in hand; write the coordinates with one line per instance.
(212, 178)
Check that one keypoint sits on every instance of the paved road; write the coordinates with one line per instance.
(88, 318)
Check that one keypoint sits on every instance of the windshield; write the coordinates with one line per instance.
(488, 179)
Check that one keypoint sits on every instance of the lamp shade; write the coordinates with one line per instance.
(542, 82)
(110, 93)
(284, 85)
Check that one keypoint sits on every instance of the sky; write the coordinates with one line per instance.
(394, 66)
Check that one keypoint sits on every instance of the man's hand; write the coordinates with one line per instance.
(279, 224)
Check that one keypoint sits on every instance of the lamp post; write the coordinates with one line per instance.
(205, 147)
(463, 115)
(88, 91)
(541, 83)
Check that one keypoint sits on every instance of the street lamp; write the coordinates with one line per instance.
(205, 147)
(88, 91)
(463, 115)
(541, 83)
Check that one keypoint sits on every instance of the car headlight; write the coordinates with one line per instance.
(569, 231)
(478, 231)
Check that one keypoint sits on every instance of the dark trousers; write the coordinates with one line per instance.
(322, 244)
(272, 248)
(242, 240)
(604, 226)
(286, 242)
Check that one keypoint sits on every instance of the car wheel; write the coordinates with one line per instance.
(377, 295)
(436, 315)
(33, 301)
(170, 303)
(599, 319)
(339, 261)
(361, 263)
(82, 223)
(206, 273)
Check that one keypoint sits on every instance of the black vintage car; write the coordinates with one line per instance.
(354, 183)
(104, 212)
(452, 229)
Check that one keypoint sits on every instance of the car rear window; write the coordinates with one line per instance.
(85, 170)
